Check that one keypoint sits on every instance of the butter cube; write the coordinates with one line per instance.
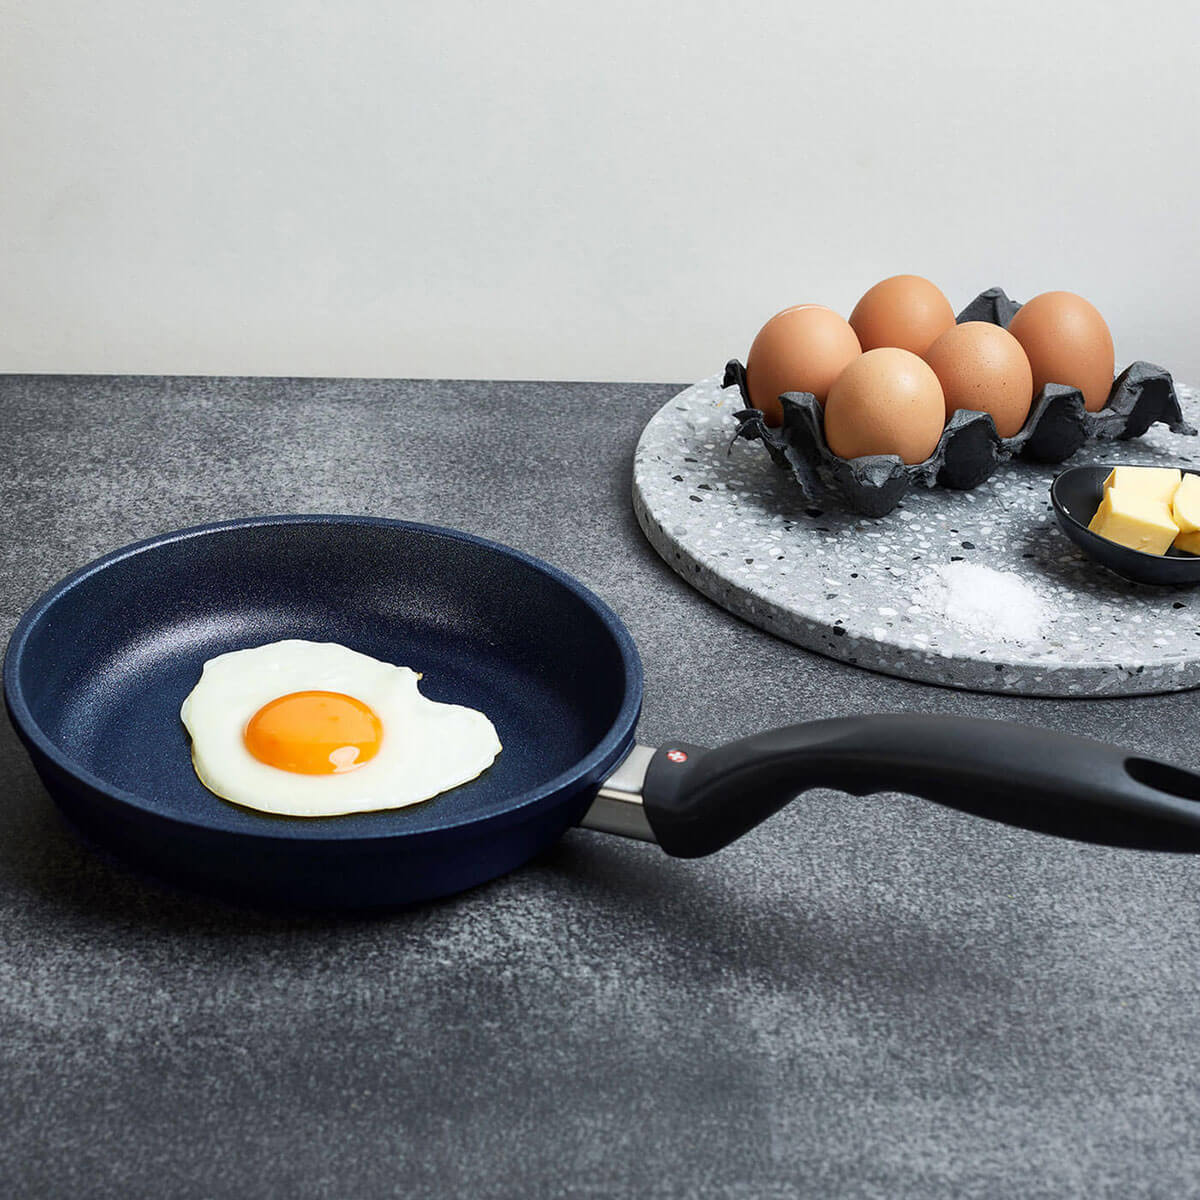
(1133, 520)
(1185, 507)
(1155, 483)
(1189, 543)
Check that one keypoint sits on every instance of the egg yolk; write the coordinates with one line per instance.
(314, 733)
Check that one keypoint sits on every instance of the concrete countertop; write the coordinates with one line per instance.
(863, 997)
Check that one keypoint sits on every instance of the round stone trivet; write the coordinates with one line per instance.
(737, 528)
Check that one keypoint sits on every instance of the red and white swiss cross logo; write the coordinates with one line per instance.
(677, 756)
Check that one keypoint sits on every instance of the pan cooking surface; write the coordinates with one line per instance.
(105, 660)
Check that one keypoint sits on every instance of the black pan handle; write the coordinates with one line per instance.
(697, 800)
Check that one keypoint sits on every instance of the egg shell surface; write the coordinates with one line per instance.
(1067, 341)
(802, 349)
(983, 368)
(888, 401)
(905, 311)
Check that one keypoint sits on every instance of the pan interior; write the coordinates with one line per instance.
(104, 665)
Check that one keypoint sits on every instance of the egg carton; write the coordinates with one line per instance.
(969, 450)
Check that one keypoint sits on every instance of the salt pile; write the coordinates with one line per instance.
(989, 603)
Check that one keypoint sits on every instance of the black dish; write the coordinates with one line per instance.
(1076, 494)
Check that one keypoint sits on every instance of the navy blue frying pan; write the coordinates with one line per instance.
(96, 671)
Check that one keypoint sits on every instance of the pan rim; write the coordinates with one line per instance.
(602, 757)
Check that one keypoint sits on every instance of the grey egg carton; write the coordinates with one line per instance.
(970, 449)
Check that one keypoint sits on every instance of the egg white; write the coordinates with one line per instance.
(426, 748)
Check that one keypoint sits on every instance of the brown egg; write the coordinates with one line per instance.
(1066, 341)
(905, 311)
(886, 401)
(801, 349)
(982, 367)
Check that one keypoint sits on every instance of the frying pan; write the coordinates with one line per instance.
(96, 670)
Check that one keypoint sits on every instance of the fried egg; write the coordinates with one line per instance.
(313, 729)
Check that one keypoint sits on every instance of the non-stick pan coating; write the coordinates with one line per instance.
(97, 669)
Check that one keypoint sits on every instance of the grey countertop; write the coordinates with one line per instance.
(863, 997)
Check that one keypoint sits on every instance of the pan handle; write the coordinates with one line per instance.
(697, 800)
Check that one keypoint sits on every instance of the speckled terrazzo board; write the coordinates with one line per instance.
(737, 528)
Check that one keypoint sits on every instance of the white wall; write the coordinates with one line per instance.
(606, 191)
